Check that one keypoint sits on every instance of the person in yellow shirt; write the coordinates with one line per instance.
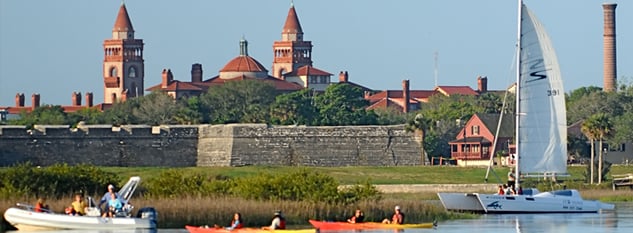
(79, 205)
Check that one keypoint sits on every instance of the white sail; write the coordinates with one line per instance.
(542, 124)
(541, 134)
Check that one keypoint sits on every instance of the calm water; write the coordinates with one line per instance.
(610, 222)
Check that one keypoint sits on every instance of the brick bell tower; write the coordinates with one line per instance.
(292, 51)
(123, 67)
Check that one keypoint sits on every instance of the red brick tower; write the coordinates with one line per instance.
(292, 51)
(610, 66)
(123, 67)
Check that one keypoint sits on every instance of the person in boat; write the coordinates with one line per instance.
(358, 217)
(41, 205)
(278, 222)
(236, 223)
(107, 197)
(520, 190)
(79, 205)
(511, 178)
(115, 206)
(508, 190)
(397, 218)
(501, 190)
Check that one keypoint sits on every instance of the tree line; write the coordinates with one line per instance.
(606, 116)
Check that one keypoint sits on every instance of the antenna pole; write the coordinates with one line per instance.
(435, 70)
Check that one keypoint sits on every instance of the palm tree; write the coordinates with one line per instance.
(589, 128)
(603, 130)
(420, 124)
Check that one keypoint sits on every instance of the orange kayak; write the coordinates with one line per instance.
(198, 229)
(323, 225)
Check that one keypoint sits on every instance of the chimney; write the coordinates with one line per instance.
(343, 77)
(196, 73)
(19, 100)
(76, 99)
(89, 99)
(35, 101)
(482, 84)
(167, 78)
(405, 96)
(610, 66)
(124, 95)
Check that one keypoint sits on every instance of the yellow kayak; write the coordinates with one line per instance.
(196, 229)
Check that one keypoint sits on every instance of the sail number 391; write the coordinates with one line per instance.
(553, 92)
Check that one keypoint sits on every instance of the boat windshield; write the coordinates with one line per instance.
(562, 193)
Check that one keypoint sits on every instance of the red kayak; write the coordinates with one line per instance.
(211, 229)
(322, 225)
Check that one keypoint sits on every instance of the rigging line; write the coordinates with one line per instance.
(503, 110)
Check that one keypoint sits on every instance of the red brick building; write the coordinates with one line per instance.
(475, 140)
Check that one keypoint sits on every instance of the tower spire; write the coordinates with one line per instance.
(123, 25)
(292, 28)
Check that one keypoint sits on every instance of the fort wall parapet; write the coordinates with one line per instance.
(210, 145)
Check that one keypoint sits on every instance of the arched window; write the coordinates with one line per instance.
(113, 72)
(113, 97)
(132, 72)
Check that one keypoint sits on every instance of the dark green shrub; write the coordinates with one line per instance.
(54, 181)
(172, 183)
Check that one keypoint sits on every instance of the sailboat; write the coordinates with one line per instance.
(541, 133)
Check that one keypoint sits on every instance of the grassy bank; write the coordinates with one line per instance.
(377, 175)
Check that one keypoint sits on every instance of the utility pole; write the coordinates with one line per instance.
(435, 70)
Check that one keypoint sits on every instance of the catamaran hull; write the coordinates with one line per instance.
(30, 220)
(547, 202)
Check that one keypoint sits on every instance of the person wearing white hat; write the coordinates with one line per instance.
(278, 222)
(397, 218)
(107, 197)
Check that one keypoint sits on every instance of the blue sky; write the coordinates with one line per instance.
(55, 47)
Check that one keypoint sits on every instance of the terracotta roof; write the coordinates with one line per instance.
(176, 85)
(123, 22)
(453, 90)
(279, 84)
(292, 22)
(243, 64)
(357, 85)
(67, 109)
(397, 103)
(307, 71)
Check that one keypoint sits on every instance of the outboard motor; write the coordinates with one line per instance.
(147, 212)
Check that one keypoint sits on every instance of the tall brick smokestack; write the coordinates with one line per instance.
(405, 96)
(610, 65)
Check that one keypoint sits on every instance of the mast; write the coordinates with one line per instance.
(518, 97)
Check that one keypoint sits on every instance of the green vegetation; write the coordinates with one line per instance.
(54, 181)
(209, 195)
(354, 175)
(247, 101)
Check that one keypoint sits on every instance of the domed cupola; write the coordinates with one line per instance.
(243, 65)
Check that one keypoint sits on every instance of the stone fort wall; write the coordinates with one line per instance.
(210, 145)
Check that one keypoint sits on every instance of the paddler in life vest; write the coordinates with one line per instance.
(236, 223)
(278, 222)
(397, 218)
(358, 217)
